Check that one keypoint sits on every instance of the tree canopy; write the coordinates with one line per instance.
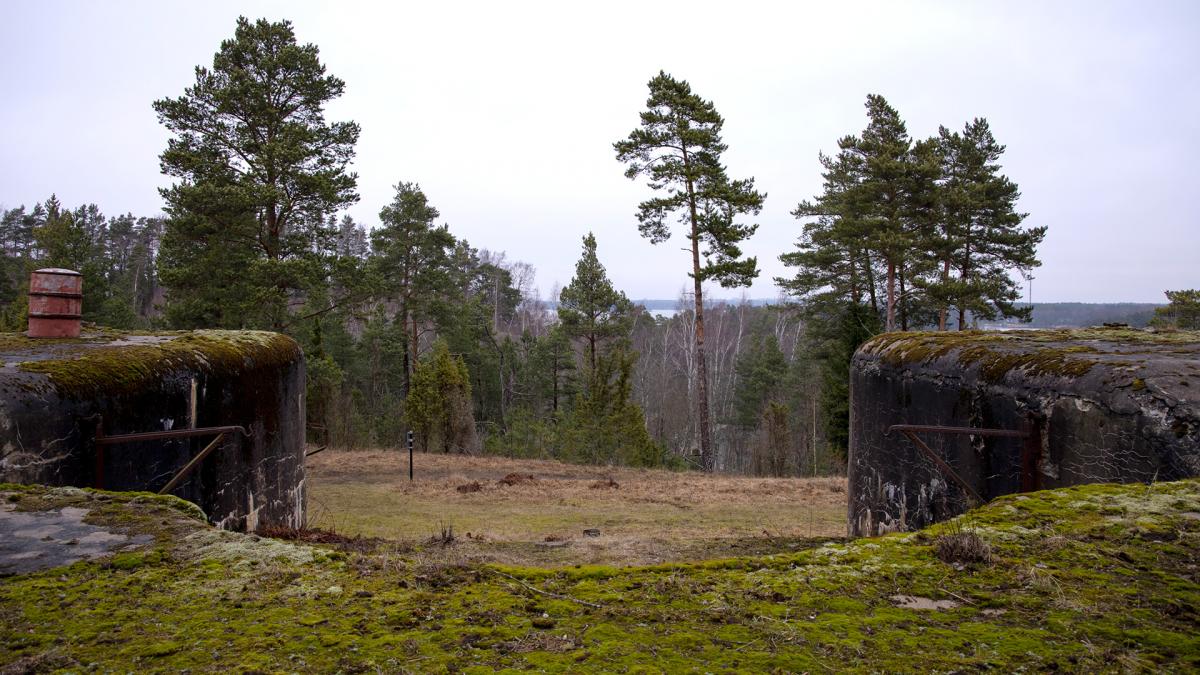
(258, 170)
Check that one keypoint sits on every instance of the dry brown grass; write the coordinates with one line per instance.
(521, 506)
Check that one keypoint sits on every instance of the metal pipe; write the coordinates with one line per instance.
(178, 478)
(163, 435)
(964, 431)
(941, 464)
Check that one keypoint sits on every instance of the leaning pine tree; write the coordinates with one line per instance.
(678, 149)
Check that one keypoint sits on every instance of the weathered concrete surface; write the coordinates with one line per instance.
(54, 395)
(32, 541)
(1110, 405)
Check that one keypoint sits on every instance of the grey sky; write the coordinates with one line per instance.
(505, 113)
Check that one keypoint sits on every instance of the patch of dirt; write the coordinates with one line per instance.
(342, 542)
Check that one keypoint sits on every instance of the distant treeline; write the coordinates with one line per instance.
(1079, 314)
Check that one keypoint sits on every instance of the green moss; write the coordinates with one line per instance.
(1093, 578)
(111, 364)
(1061, 353)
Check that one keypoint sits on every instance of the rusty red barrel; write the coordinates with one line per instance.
(55, 303)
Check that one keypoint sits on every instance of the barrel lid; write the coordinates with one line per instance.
(58, 270)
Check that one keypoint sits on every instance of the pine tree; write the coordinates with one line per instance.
(885, 149)
(834, 264)
(604, 424)
(412, 260)
(1182, 311)
(678, 149)
(258, 169)
(983, 229)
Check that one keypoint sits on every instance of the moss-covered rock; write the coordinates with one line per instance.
(1099, 577)
(121, 362)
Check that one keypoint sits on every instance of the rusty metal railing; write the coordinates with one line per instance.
(1030, 452)
(115, 439)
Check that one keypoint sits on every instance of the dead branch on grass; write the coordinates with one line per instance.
(548, 594)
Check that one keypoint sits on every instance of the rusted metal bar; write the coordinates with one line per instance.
(103, 440)
(183, 473)
(1031, 458)
(165, 435)
(941, 464)
(963, 431)
(98, 474)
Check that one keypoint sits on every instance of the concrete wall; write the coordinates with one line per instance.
(54, 394)
(1105, 405)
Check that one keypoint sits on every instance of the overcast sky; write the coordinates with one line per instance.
(505, 113)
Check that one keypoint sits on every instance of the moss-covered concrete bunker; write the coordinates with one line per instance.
(1104, 405)
(56, 394)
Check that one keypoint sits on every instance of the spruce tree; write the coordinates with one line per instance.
(760, 370)
(438, 406)
(592, 312)
(678, 149)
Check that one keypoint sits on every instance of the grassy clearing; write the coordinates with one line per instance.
(1093, 578)
(643, 516)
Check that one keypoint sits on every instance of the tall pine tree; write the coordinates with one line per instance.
(258, 170)
(413, 262)
(984, 237)
(678, 149)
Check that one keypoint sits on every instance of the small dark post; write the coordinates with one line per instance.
(410, 456)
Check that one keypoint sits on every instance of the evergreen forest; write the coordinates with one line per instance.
(408, 327)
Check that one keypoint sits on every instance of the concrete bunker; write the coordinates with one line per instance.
(59, 397)
(1095, 405)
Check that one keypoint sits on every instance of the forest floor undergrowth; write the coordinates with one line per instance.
(553, 514)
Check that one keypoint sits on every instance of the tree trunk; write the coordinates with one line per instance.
(966, 264)
(945, 308)
(869, 271)
(891, 296)
(706, 457)
(407, 361)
